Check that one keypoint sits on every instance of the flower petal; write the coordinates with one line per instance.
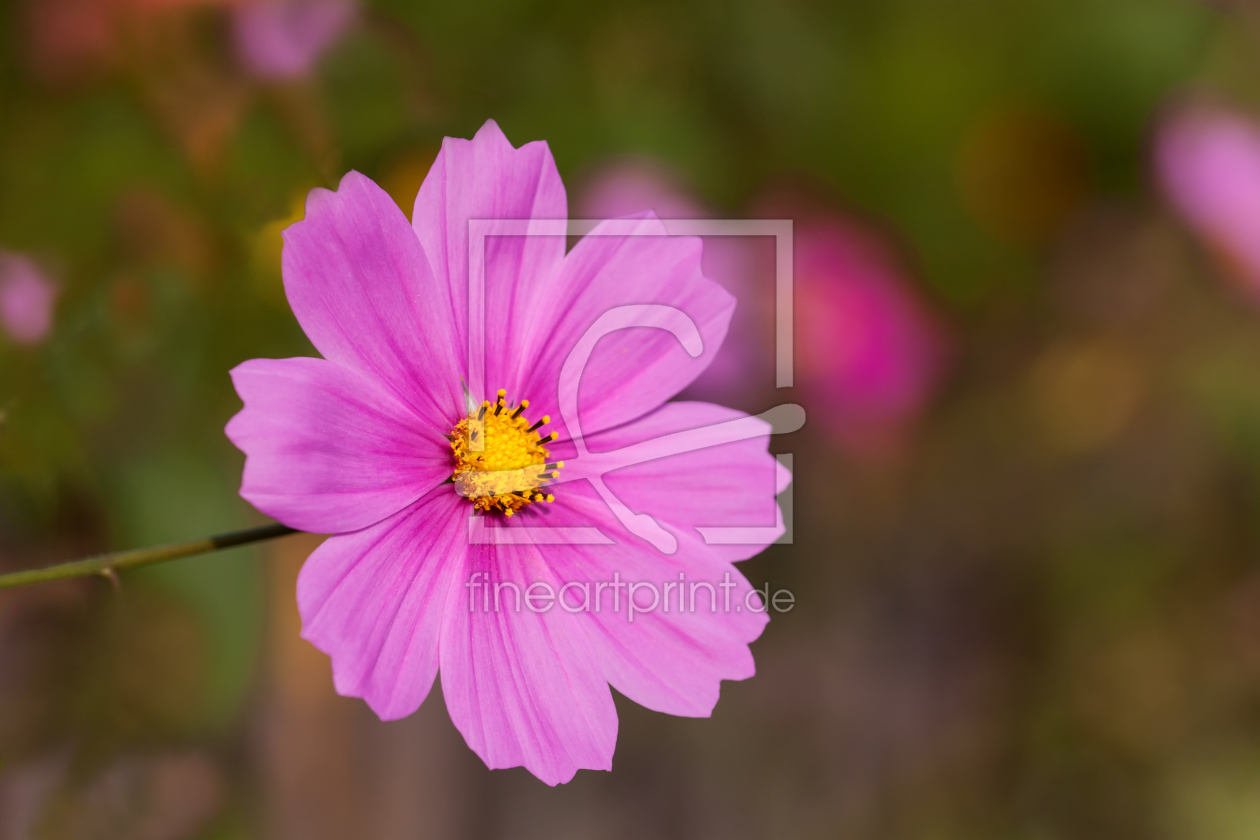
(673, 661)
(373, 601)
(635, 369)
(522, 686)
(360, 286)
(486, 179)
(328, 450)
(725, 478)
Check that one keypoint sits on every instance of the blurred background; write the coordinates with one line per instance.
(1027, 499)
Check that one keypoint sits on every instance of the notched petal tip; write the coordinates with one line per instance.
(316, 200)
(489, 132)
(490, 138)
(321, 200)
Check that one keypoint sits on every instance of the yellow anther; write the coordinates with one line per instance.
(500, 460)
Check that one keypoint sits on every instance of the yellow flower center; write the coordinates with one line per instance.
(500, 460)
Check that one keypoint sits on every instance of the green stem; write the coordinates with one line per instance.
(107, 564)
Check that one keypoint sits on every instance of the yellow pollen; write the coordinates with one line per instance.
(500, 460)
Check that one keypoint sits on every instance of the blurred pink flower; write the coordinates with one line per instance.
(26, 299)
(1208, 162)
(869, 353)
(283, 39)
(744, 362)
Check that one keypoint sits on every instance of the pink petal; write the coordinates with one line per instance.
(633, 370)
(674, 661)
(487, 179)
(373, 601)
(329, 450)
(360, 286)
(524, 687)
(745, 361)
(715, 484)
(538, 302)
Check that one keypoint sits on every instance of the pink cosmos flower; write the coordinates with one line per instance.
(870, 352)
(1208, 161)
(378, 444)
(26, 299)
(745, 359)
(282, 39)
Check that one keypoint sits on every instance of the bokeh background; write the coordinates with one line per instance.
(1027, 499)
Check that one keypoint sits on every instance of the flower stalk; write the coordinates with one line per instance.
(109, 564)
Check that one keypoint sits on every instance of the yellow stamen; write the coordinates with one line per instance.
(500, 460)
